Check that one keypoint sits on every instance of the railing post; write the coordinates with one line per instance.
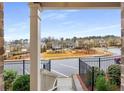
(43, 65)
(79, 66)
(99, 64)
(49, 65)
(23, 67)
(92, 78)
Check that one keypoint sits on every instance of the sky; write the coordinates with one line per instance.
(61, 23)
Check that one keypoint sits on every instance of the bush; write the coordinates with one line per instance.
(112, 87)
(114, 73)
(9, 77)
(22, 83)
(101, 83)
(104, 85)
(98, 72)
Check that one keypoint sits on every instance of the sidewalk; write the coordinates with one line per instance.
(64, 84)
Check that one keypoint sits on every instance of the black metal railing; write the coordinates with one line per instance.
(87, 65)
(86, 73)
(46, 65)
(22, 67)
(100, 62)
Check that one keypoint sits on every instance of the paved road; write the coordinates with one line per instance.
(67, 67)
(64, 68)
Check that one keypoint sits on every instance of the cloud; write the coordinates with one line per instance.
(103, 27)
(14, 36)
(17, 31)
(71, 11)
(57, 15)
(54, 16)
(99, 30)
(67, 23)
(15, 27)
(81, 30)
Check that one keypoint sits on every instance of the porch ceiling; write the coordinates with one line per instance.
(78, 5)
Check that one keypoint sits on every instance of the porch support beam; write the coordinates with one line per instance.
(35, 79)
(79, 5)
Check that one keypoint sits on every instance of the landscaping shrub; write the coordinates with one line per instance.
(22, 83)
(98, 72)
(101, 83)
(9, 77)
(114, 73)
(112, 86)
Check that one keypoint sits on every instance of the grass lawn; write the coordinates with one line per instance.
(75, 53)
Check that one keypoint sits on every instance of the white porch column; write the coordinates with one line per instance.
(35, 79)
